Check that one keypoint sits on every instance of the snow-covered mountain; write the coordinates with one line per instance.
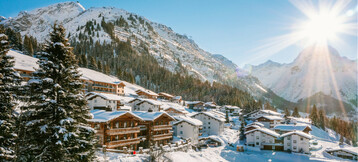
(316, 70)
(165, 44)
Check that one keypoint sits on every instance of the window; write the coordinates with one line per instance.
(124, 124)
(301, 139)
(294, 141)
(294, 147)
(257, 143)
(204, 127)
(208, 127)
(109, 126)
(252, 134)
(288, 138)
(108, 138)
(288, 144)
(263, 141)
(181, 132)
(208, 122)
(117, 124)
(181, 126)
(95, 101)
(96, 126)
(257, 137)
(117, 137)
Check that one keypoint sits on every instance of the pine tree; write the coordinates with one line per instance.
(341, 140)
(295, 113)
(314, 116)
(227, 117)
(287, 113)
(322, 119)
(99, 66)
(28, 46)
(92, 64)
(242, 128)
(9, 84)
(56, 119)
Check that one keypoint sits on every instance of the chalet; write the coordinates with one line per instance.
(165, 96)
(116, 129)
(213, 124)
(148, 105)
(259, 113)
(285, 128)
(195, 104)
(263, 138)
(234, 110)
(187, 128)
(146, 94)
(155, 129)
(210, 105)
(173, 111)
(177, 99)
(134, 103)
(93, 81)
(105, 101)
(251, 127)
(270, 121)
(296, 141)
(345, 153)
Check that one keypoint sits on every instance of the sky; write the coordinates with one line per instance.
(234, 28)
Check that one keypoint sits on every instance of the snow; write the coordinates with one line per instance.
(256, 123)
(264, 130)
(300, 133)
(291, 127)
(93, 75)
(270, 112)
(189, 120)
(150, 101)
(352, 150)
(213, 115)
(104, 116)
(270, 117)
(150, 116)
(108, 96)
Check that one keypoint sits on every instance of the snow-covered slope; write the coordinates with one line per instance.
(316, 69)
(166, 45)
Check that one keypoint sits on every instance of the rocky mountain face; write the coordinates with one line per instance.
(319, 75)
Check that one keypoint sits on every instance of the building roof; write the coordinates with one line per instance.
(105, 116)
(189, 120)
(166, 94)
(177, 97)
(256, 123)
(213, 115)
(107, 96)
(152, 102)
(151, 93)
(265, 130)
(177, 109)
(271, 112)
(291, 127)
(151, 116)
(23, 62)
(231, 107)
(255, 126)
(352, 150)
(270, 117)
(193, 102)
(300, 133)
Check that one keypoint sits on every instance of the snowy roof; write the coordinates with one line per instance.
(104, 116)
(352, 150)
(255, 126)
(265, 130)
(93, 75)
(271, 112)
(193, 102)
(176, 108)
(150, 101)
(213, 115)
(190, 120)
(257, 123)
(150, 116)
(166, 94)
(177, 97)
(291, 127)
(23, 62)
(108, 96)
(147, 92)
(125, 107)
(231, 107)
(270, 117)
(300, 133)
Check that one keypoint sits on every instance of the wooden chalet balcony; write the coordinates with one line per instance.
(161, 127)
(162, 136)
(119, 143)
(117, 131)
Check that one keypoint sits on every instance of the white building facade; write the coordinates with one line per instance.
(296, 141)
(212, 124)
(188, 128)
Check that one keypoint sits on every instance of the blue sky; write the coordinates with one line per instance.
(233, 28)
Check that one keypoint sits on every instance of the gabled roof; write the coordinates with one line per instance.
(352, 150)
(106, 96)
(152, 102)
(215, 116)
(291, 127)
(166, 94)
(231, 107)
(270, 117)
(151, 116)
(189, 120)
(146, 92)
(177, 109)
(254, 126)
(193, 102)
(256, 123)
(139, 99)
(300, 133)
(102, 116)
(177, 97)
(270, 112)
(265, 130)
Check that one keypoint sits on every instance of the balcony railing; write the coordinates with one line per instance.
(125, 142)
(162, 127)
(116, 131)
(102, 86)
(162, 136)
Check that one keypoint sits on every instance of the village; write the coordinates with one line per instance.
(129, 119)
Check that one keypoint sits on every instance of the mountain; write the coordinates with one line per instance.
(107, 25)
(319, 75)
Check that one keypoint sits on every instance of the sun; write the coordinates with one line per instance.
(321, 28)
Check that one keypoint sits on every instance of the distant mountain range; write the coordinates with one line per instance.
(319, 75)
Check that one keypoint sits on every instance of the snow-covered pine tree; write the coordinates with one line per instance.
(56, 119)
(9, 84)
